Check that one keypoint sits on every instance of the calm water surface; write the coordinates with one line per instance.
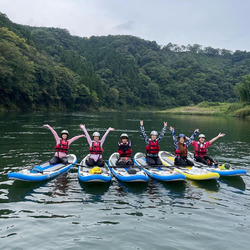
(65, 214)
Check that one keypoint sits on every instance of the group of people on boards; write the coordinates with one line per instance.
(181, 143)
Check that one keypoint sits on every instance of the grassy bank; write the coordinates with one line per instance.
(203, 108)
(213, 109)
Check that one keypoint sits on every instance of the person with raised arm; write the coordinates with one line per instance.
(152, 144)
(201, 149)
(96, 149)
(62, 145)
(181, 146)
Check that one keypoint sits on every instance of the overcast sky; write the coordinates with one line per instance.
(216, 23)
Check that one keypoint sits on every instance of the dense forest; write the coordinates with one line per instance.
(47, 68)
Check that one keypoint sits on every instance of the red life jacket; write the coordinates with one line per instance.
(178, 152)
(201, 151)
(124, 150)
(63, 146)
(96, 149)
(153, 147)
(127, 153)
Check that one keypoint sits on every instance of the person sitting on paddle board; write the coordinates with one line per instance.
(201, 149)
(181, 146)
(124, 150)
(95, 150)
(62, 145)
(152, 144)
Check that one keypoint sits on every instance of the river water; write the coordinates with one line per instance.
(65, 214)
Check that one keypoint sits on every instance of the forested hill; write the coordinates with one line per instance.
(47, 68)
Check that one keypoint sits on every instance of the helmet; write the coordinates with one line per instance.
(65, 132)
(124, 135)
(201, 136)
(96, 134)
(225, 166)
(154, 133)
(181, 135)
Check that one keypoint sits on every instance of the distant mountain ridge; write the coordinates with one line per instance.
(47, 68)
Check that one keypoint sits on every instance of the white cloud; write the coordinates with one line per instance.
(221, 24)
(125, 26)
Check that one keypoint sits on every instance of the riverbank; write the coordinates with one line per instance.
(212, 109)
(203, 108)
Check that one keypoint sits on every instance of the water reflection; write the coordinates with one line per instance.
(209, 185)
(135, 187)
(19, 190)
(61, 186)
(175, 187)
(236, 182)
(176, 208)
(95, 188)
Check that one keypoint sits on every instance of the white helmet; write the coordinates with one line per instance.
(96, 134)
(124, 135)
(154, 133)
(65, 132)
(201, 136)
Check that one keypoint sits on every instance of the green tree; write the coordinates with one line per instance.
(45, 68)
(66, 86)
(16, 70)
(242, 89)
(83, 98)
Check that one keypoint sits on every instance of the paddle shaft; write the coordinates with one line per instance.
(117, 166)
(125, 166)
(77, 164)
(158, 166)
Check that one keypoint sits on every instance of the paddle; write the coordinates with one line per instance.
(86, 166)
(137, 166)
(158, 166)
(132, 168)
(125, 166)
(37, 169)
(77, 164)
(116, 166)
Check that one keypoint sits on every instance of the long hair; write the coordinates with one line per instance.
(181, 148)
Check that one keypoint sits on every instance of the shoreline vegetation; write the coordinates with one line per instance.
(205, 108)
(47, 69)
(212, 109)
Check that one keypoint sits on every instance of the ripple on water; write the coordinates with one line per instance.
(184, 215)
